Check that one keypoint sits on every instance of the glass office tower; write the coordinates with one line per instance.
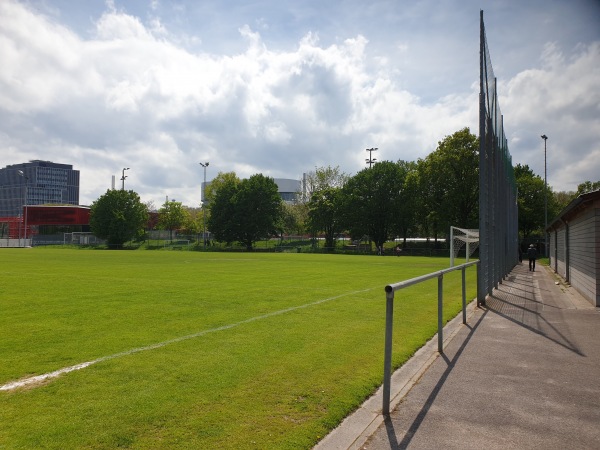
(37, 183)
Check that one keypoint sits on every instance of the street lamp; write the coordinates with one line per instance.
(545, 138)
(204, 165)
(22, 174)
(123, 178)
(371, 160)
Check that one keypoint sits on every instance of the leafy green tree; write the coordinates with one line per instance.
(370, 201)
(258, 208)
(422, 212)
(222, 219)
(563, 198)
(295, 218)
(459, 165)
(222, 178)
(532, 196)
(322, 178)
(446, 183)
(408, 201)
(192, 223)
(453, 171)
(246, 211)
(171, 216)
(118, 216)
(324, 213)
(588, 186)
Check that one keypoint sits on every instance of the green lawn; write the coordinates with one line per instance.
(201, 350)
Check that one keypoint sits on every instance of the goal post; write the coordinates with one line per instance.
(81, 238)
(463, 237)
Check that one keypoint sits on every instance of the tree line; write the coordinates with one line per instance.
(388, 200)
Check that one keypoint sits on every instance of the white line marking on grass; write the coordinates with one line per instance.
(47, 376)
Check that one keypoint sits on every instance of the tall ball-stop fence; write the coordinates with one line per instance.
(498, 213)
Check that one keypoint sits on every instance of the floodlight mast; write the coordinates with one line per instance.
(204, 165)
(371, 160)
(545, 138)
(123, 178)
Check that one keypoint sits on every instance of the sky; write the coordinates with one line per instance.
(283, 87)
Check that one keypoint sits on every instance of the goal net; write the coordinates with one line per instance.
(81, 238)
(463, 237)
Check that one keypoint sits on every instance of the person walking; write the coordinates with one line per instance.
(531, 254)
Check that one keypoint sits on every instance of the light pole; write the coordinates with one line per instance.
(371, 160)
(22, 174)
(123, 178)
(204, 165)
(545, 138)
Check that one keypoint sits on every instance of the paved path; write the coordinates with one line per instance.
(524, 373)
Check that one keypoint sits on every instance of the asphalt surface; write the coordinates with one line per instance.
(523, 373)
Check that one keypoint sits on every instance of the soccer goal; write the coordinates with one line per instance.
(81, 238)
(460, 237)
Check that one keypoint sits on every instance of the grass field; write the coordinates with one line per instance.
(200, 350)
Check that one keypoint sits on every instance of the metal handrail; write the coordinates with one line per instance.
(390, 289)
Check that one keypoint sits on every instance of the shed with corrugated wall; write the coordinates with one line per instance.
(574, 238)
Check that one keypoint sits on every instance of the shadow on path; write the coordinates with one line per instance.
(505, 303)
(394, 444)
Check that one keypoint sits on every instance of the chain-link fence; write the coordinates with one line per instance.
(498, 214)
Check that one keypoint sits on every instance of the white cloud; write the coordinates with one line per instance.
(132, 93)
(277, 133)
(120, 26)
(561, 100)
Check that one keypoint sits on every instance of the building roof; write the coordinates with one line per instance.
(578, 204)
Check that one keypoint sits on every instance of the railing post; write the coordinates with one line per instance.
(440, 312)
(387, 360)
(389, 316)
(464, 296)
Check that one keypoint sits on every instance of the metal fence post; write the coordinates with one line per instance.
(440, 313)
(464, 296)
(387, 360)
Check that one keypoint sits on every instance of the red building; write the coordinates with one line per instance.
(35, 216)
(56, 215)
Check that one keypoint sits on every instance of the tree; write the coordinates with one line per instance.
(295, 218)
(150, 205)
(408, 201)
(221, 219)
(563, 198)
(370, 201)
(532, 196)
(211, 189)
(171, 216)
(324, 213)
(321, 178)
(245, 211)
(423, 213)
(258, 208)
(192, 223)
(118, 216)
(449, 182)
(587, 186)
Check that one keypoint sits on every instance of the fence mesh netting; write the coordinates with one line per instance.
(498, 214)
